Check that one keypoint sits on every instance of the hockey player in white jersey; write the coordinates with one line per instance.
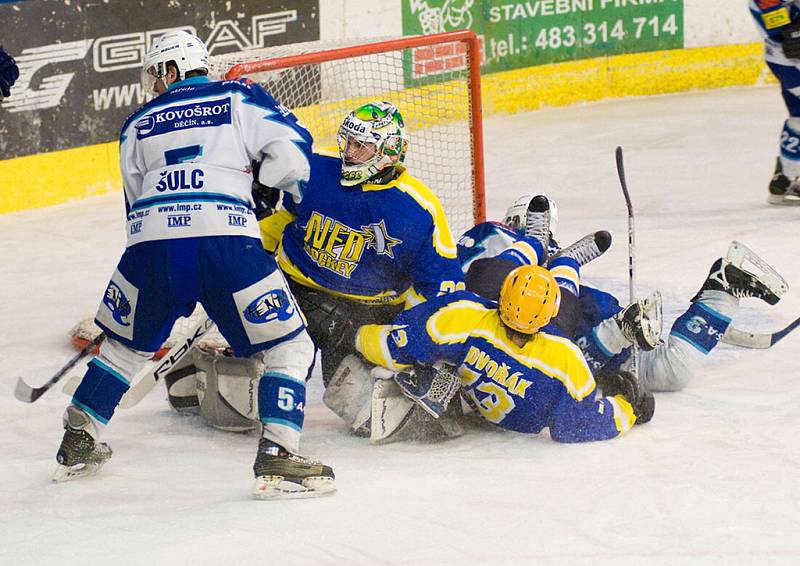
(779, 24)
(193, 237)
(605, 331)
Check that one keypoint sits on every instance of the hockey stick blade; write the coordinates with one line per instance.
(743, 339)
(28, 394)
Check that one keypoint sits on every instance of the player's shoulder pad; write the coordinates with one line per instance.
(326, 170)
(429, 205)
(187, 93)
(254, 94)
(419, 193)
(456, 296)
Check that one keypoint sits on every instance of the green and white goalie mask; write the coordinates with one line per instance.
(371, 138)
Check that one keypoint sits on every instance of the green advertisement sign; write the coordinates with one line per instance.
(535, 32)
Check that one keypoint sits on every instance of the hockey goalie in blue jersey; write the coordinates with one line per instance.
(779, 24)
(193, 238)
(519, 372)
(600, 326)
(367, 240)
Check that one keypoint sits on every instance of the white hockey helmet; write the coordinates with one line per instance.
(517, 212)
(185, 50)
(371, 138)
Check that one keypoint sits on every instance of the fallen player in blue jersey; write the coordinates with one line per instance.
(604, 330)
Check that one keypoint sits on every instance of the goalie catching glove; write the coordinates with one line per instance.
(431, 388)
(625, 384)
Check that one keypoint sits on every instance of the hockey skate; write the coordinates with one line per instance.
(641, 321)
(79, 455)
(742, 273)
(586, 249)
(283, 475)
(782, 189)
(537, 221)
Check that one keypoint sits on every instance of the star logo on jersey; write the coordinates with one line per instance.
(379, 239)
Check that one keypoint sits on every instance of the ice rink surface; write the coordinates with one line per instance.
(711, 480)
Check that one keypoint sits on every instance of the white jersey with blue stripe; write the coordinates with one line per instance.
(186, 159)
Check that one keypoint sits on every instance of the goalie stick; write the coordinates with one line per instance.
(28, 394)
(732, 336)
(154, 370)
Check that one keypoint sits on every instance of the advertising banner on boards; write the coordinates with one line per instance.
(80, 60)
(517, 34)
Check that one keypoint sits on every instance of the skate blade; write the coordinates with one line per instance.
(652, 318)
(69, 473)
(747, 260)
(784, 200)
(275, 487)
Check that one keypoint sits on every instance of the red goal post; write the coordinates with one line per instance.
(434, 80)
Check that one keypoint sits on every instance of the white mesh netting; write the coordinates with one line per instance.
(429, 85)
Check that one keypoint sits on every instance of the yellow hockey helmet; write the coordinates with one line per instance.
(529, 298)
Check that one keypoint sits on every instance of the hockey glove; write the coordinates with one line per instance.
(265, 199)
(9, 72)
(431, 388)
(791, 40)
(625, 384)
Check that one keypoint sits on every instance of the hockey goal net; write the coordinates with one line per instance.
(435, 82)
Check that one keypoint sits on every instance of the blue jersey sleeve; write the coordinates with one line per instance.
(773, 16)
(590, 419)
(416, 335)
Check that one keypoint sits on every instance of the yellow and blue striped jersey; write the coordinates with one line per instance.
(387, 243)
(544, 383)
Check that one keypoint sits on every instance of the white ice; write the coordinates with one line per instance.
(711, 480)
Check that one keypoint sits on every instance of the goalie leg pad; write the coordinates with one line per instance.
(349, 393)
(227, 392)
(181, 384)
(396, 417)
(221, 389)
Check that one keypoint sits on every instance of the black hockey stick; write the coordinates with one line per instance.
(732, 336)
(28, 394)
(631, 247)
(745, 339)
(631, 231)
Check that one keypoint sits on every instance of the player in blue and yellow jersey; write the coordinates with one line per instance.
(603, 329)
(367, 239)
(520, 372)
